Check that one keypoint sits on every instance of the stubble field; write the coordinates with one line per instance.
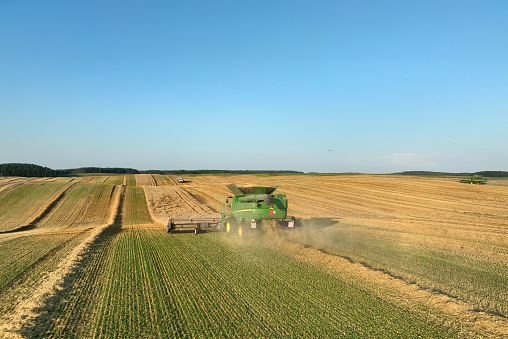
(379, 256)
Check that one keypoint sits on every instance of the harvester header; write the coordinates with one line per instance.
(475, 179)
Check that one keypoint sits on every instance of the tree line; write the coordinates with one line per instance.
(490, 174)
(88, 170)
(31, 170)
(187, 172)
(25, 170)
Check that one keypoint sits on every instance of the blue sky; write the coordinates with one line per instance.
(325, 86)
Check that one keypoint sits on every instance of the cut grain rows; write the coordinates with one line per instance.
(185, 286)
(44, 257)
(166, 201)
(138, 281)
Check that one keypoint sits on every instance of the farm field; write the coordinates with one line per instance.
(379, 256)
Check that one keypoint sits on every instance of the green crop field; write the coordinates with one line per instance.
(22, 204)
(24, 260)
(145, 283)
(131, 180)
(481, 280)
(377, 258)
(85, 204)
(135, 210)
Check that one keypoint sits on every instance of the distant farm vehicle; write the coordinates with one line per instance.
(475, 179)
(250, 209)
(180, 180)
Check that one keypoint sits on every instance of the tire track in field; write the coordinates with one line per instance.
(26, 311)
(145, 180)
(9, 186)
(166, 201)
(204, 199)
(192, 203)
(172, 180)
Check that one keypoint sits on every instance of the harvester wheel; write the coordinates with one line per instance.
(231, 225)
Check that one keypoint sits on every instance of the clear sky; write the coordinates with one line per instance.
(327, 86)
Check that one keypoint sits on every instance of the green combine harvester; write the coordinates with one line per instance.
(250, 209)
(475, 179)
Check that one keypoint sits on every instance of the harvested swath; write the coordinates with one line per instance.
(166, 201)
(213, 195)
(442, 235)
(41, 280)
(24, 257)
(161, 180)
(25, 263)
(6, 186)
(86, 205)
(173, 180)
(99, 179)
(25, 203)
(145, 180)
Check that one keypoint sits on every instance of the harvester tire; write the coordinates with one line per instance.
(231, 225)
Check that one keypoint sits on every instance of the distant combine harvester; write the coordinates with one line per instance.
(475, 179)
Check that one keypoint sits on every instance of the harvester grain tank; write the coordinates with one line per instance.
(250, 208)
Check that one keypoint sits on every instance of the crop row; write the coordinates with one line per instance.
(135, 209)
(161, 180)
(146, 283)
(24, 259)
(478, 280)
(131, 180)
(85, 204)
(21, 205)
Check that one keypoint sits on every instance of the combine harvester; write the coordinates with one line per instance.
(251, 208)
(475, 179)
